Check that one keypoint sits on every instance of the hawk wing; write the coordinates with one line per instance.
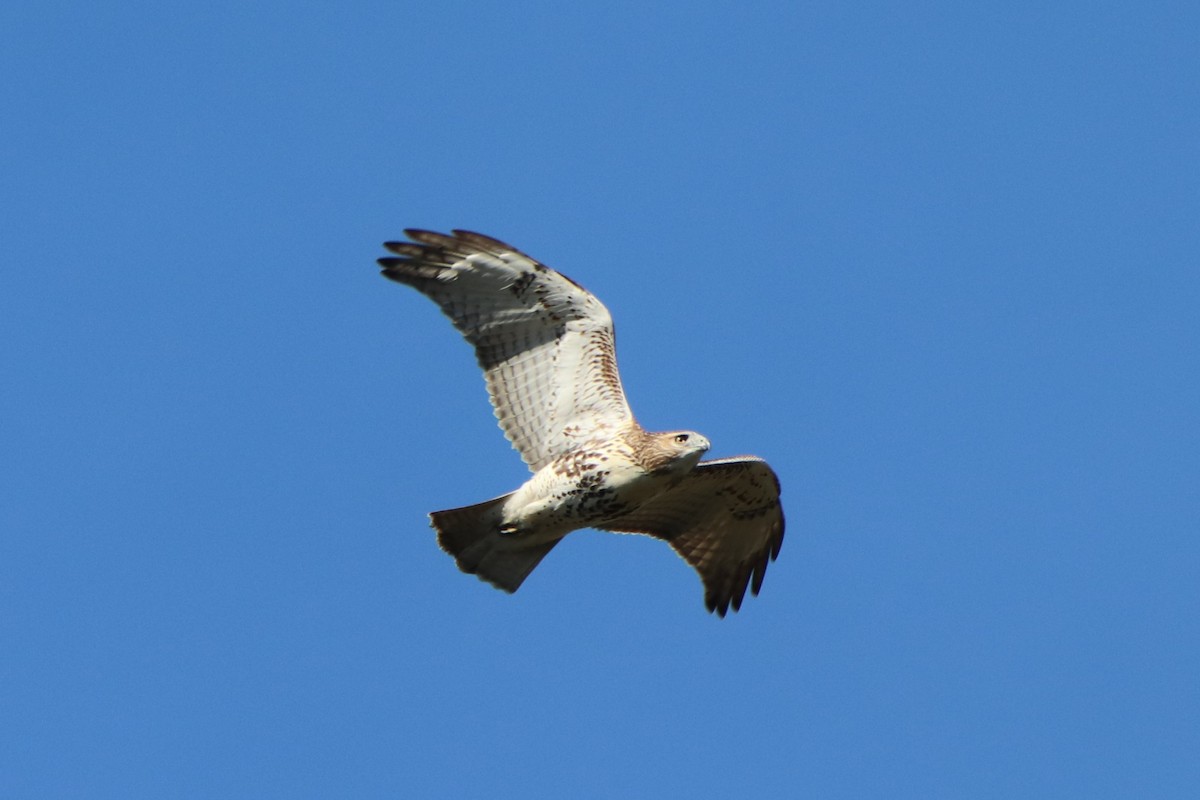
(724, 519)
(546, 345)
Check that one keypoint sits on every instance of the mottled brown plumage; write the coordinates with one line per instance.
(546, 347)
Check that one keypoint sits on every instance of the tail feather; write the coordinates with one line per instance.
(472, 535)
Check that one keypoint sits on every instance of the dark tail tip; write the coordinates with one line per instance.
(472, 535)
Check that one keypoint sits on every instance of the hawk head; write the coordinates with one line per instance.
(674, 452)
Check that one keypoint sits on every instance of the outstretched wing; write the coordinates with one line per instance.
(545, 344)
(724, 519)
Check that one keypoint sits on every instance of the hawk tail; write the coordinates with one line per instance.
(472, 535)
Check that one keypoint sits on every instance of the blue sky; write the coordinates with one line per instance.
(936, 262)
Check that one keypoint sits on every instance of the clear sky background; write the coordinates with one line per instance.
(937, 262)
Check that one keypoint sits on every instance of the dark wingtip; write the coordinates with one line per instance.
(760, 572)
(405, 248)
(715, 604)
(483, 241)
(392, 269)
(426, 236)
(777, 545)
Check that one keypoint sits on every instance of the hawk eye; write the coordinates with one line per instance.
(681, 438)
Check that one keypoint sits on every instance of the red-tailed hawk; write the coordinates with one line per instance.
(547, 351)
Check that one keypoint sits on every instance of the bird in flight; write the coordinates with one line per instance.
(547, 350)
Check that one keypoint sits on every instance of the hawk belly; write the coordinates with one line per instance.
(579, 490)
